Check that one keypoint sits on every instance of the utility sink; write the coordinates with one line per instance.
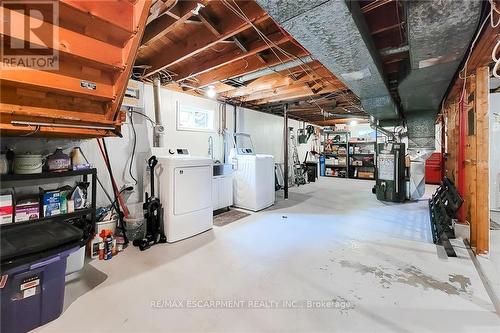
(222, 169)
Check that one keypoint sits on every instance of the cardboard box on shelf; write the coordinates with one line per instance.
(366, 174)
(6, 208)
(27, 210)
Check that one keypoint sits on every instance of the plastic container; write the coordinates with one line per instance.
(75, 261)
(135, 224)
(34, 293)
(106, 225)
(322, 171)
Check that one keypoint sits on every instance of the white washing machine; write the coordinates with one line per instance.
(184, 185)
(253, 176)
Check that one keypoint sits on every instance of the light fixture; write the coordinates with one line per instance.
(211, 93)
(196, 11)
(353, 122)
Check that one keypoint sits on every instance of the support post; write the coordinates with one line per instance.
(235, 118)
(285, 147)
(461, 156)
(482, 182)
(158, 129)
(443, 145)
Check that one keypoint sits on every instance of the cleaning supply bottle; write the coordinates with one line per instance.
(109, 246)
(102, 245)
(94, 246)
(115, 248)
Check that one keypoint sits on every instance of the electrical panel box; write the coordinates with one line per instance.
(390, 183)
(134, 95)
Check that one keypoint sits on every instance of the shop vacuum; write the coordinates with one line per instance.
(153, 213)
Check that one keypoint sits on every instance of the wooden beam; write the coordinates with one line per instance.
(165, 24)
(53, 81)
(374, 5)
(482, 153)
(159, 8)
(387, 28)
(71, 43)
(229, 57)
(239, 44)
(92, 26)
(37, 113)
(200, 42)
(130, 50)
(209, 24)
(306, 92)
(240, 67)
(281, 79)
(262, 60)
(114, 12)
(299, 88)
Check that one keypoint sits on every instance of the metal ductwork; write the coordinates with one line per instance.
(273, 69)
(439, 34)
(336, 34)
(158, 129)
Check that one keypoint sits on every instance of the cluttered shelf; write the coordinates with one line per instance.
(58, 217)
(23, 201)
(46, 175)
(335, 154)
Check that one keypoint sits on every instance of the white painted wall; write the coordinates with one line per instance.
(494, 165)
(266, 131)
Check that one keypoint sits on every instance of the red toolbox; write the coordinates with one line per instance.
(433, 170)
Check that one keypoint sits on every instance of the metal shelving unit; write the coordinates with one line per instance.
(332, 142)
(10, 180)
(365, 149)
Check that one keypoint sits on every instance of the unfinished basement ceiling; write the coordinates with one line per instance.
(237, 49)
(326, 59)
(398, 57)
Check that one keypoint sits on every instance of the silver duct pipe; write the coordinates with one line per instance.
(273, 69)
(158, 129)
(439, 33)
(335, 33)
(375, 127)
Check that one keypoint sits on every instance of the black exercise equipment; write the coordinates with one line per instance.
(153, 213)
(443, 209)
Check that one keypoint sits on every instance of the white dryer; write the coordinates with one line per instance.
(253, 176)
(185, 191)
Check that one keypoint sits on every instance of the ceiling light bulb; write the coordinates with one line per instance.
(354, 122)
(211, 93)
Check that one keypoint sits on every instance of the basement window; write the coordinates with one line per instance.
(191, 118)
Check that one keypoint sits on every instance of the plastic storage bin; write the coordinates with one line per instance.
(34, 293)
(76, 261)
(33, 264)
(135, 224)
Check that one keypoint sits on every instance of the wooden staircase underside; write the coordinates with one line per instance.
(96, 46)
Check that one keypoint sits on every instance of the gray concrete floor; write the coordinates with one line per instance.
(331, 258)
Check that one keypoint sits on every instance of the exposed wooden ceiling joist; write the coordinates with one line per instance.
(164, 24)
(230, 57)
(197, 62)
(374, 5)
(233, 25)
